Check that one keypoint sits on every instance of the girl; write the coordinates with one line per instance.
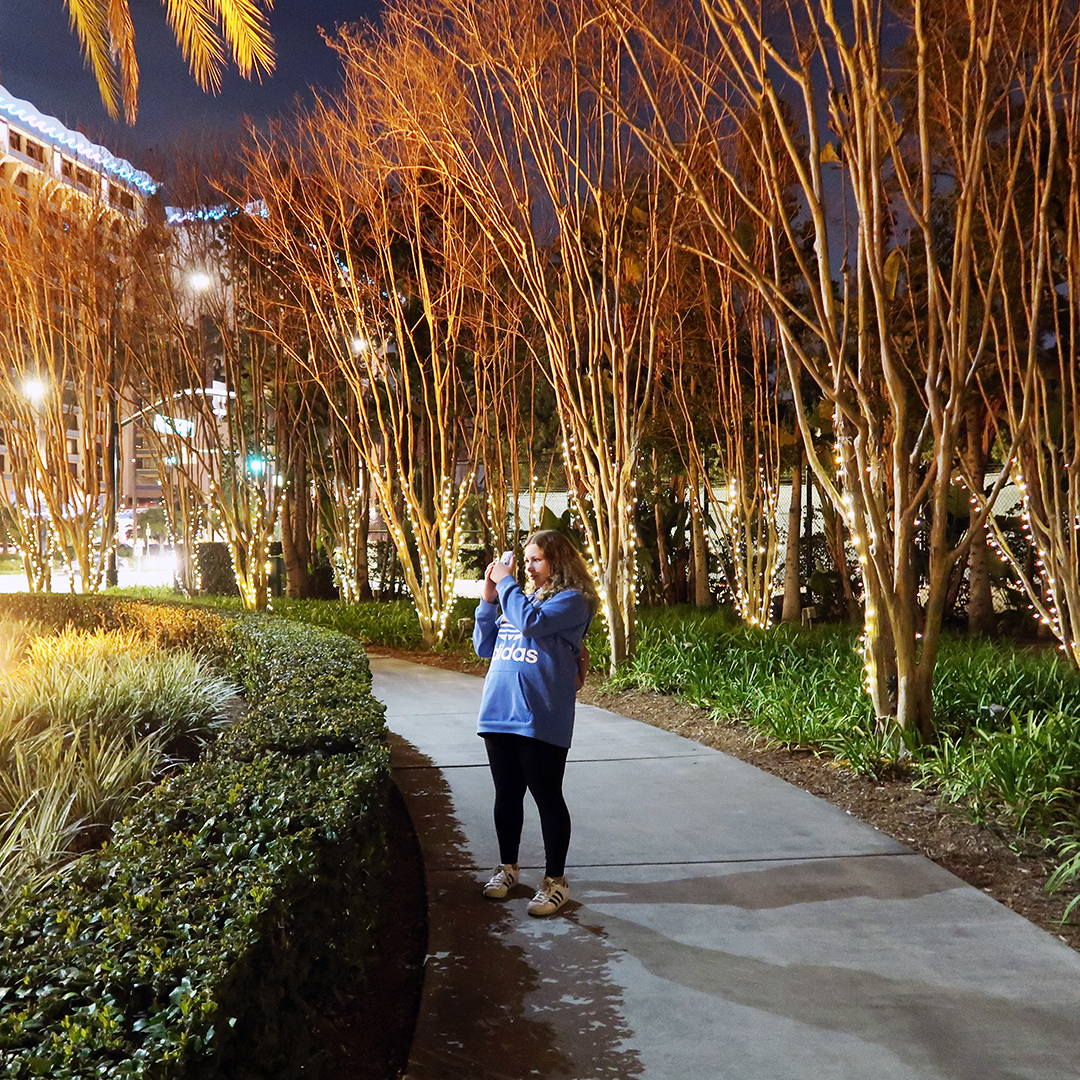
(527, 711)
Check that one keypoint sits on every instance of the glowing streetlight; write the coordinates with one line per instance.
(35, 390)
(199, 280)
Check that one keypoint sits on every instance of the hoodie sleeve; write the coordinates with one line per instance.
(562, 613)
(485, 628)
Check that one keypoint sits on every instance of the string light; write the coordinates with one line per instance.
(57, 134)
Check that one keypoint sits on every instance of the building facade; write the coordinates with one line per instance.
(43, 163)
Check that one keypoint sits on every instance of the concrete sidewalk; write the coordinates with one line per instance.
(723, 924)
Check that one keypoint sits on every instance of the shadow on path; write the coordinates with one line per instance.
(938, 1030)
(487, 1013)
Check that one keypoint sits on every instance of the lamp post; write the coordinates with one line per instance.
(111, 575)
(36, 391)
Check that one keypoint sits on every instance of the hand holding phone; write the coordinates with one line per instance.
(506, 558)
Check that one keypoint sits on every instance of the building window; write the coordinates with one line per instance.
(15, 141)
(124, 199)
(21, 179)
(3, 463)
(84, 177)
(35, 151)
(67, 168)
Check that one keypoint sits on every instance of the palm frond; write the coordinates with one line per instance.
(90, 21)
(194, 25)
(122, 37)
(247, 33)
(207, 31)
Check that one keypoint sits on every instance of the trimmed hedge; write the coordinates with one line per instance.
(234, 897)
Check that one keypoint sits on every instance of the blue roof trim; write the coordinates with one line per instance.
(53, 132)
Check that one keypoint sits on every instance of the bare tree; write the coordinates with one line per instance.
(726, 386)
(1036, 382)
(508, 100)
(209, 373)
(65, 306)
(374, 239)
(894, 318)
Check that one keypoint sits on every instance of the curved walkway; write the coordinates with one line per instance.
(724, 925)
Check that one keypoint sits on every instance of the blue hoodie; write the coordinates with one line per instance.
(534, 646)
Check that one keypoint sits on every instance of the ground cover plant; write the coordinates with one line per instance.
(234, 897)
(88, 720)
(1008, 746)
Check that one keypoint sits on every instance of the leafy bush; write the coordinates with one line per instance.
(1029, 771)
(86, 721)
(216, 569)
(375, 622)
(172, 626)
(233, 897)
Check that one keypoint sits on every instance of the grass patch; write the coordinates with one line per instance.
(88, 722)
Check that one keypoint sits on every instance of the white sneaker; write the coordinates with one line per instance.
(552, 894)
(503, 879)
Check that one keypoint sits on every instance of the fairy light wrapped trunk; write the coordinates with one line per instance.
(372, 248)
(899, 280)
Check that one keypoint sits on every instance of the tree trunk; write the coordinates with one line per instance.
(667, 584)
(700, 548)
(792, 602)
(295, 534)
(980, 599)
(363, 527)
(618, 588)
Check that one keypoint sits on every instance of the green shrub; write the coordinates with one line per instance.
(216, 573)
(1028, 772)
(173, 626)
(374, 622)
(86, 721)
(229, 901)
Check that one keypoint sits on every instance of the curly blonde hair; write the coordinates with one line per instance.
(568, 568)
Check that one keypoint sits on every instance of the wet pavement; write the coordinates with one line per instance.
(723, 924)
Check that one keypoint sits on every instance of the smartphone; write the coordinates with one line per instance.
(507, 558)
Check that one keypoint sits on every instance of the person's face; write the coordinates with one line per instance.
(536, 566)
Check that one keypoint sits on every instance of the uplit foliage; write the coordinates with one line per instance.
(203, 30)
(247, 883)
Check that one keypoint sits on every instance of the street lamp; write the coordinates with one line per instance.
(35, 390)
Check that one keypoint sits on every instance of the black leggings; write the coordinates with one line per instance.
(519, 763)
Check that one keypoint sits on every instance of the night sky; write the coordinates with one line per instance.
(40, 61)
